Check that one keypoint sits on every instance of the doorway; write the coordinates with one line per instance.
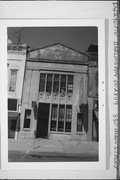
(42, 121)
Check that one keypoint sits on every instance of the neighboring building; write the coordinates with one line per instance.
(55, 102)
(93, 93)
(16, 65)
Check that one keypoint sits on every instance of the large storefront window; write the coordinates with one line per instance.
(68, 118)
(61, 118)
(54, 117)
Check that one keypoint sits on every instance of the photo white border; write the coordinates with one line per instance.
(50, 166)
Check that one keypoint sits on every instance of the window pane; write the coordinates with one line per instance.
(63, 85)
(12, 104)
(13, 79)
(42, 82)
(79, 122)
(68, 118)
(56, 84)
(49, 83)
(27, 118)
(70, 84)
(54, 117)
(13, 125)
(61, 118)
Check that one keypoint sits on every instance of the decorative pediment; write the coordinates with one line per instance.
(57, 52)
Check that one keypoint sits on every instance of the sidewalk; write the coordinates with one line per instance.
(45, 146)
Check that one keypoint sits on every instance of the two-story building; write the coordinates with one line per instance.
(55, 94)
(16, 58)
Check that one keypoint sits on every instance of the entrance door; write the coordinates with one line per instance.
(43, 119)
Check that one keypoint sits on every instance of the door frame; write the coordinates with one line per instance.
(48, 118)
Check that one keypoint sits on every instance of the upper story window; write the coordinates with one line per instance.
(70, 84)
(42, 82)
(13, 79)
(49, 83)
(63, 85)
(56, 83)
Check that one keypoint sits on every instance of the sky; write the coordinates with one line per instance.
(78, 38)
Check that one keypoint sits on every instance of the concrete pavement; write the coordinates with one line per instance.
(59, 147)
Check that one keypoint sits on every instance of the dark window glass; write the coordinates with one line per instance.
(54, 117)
(20, 48)
(27, 118)
(61, 118)
(56, 84)
(68, 118)
(49, 83)
(13, 125)
(79, 122)
(14, 48)
(42, 82)
(70, 84)
(9, 48)
(63, 85)
(12, 104)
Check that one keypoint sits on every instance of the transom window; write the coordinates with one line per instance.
(61, 118)
(56, 83)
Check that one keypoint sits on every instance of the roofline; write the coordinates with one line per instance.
(59, 44)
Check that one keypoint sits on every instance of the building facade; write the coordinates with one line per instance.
(58, 99)
(16, 58)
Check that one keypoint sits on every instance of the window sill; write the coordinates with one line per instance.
(26, 129)
(80, 133)
(57, 132)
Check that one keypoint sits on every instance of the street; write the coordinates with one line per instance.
(28, 156)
